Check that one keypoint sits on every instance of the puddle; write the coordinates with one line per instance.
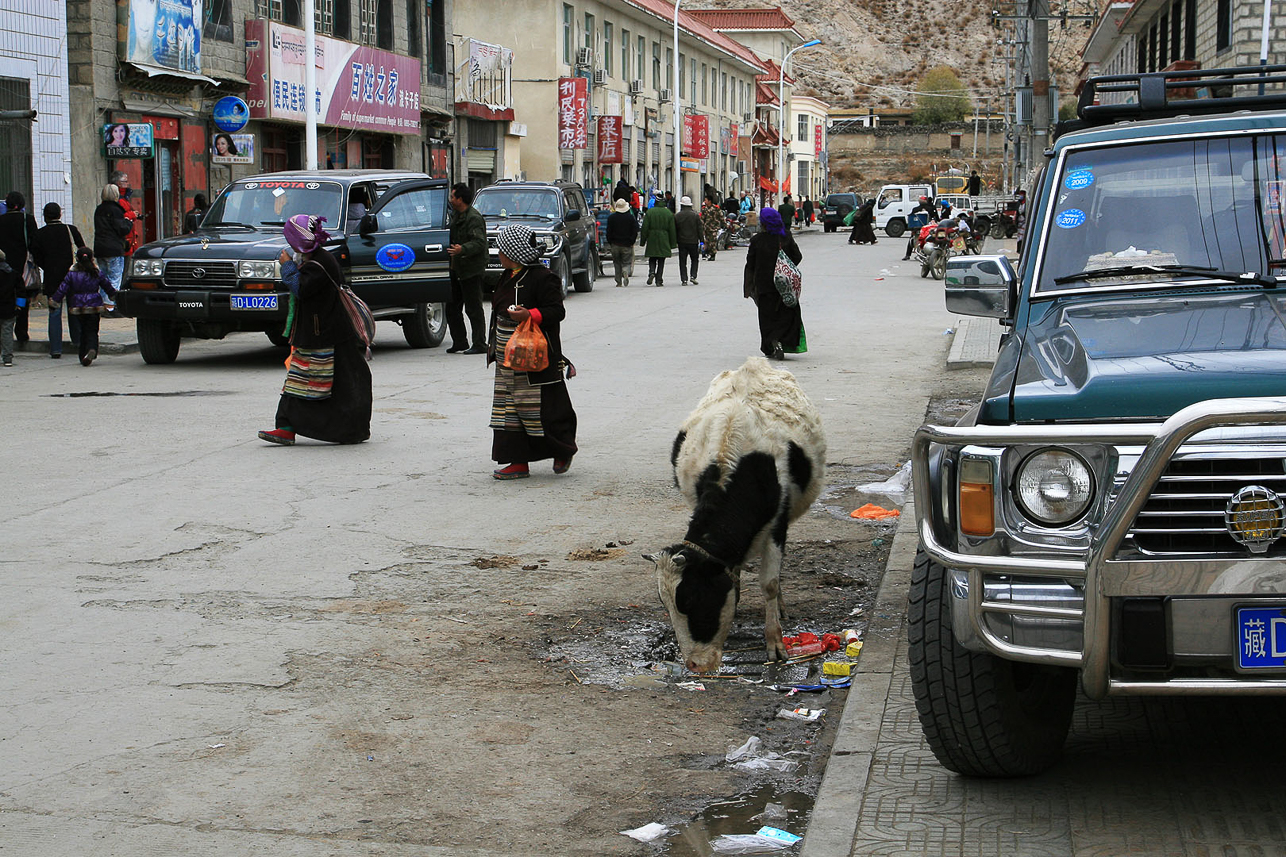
(739, 815)
(172, 394)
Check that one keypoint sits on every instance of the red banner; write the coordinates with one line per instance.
(817, 141)
(696, 136)
(573, 112)
(609, 140)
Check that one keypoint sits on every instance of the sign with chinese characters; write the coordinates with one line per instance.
(817, 141)
(165, 34)
(696, 136)
(609, 140)
(488, 79)
(132, 140)
(573, 115)
(357, 87)
(232, 148)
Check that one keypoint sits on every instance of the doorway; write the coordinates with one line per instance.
(162, 193)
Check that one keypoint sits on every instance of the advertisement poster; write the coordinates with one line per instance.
(696, 136)
(230, 114)
(232, 148)
(128, 141)
(357, 87)
(165, 34)
(609, 140)
(573, 116)
(817, 141)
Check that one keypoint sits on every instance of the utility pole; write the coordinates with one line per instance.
(1039, 76)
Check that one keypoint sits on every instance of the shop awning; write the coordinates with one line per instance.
(159, 108)
(155, 71)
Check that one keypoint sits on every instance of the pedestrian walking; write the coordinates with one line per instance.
(669, 201)
(468, 251)
(54, 249)
(122, 181)
(195, 214)
(780, 327)
(688, 231)
(975, 183)
(8, 310)
(622, 231)
(712, 219)
(863, 224)
(808, 211)
(622, 190)
(786, 211)
(747, 202)
(82, 288)
(658, 239)
(531, 413)
(111, 233)
(17, 230)
(327, 393)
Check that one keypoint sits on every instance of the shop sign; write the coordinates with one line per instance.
(817, 141)
(128, 140)
(165, 34)
(357, 87)
(696, 135)
(232, 148)
(573, 116)
(230, 114)
(690, 165)
(609, 140)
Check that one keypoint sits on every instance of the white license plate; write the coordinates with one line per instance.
(253, 302)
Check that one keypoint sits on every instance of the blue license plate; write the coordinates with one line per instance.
(253, 302)
(1261, 638)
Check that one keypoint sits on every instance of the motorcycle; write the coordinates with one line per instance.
(936, 244)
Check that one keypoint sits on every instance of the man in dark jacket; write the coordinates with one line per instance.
(54, 248)
(732, 205)
(925, 207)
(975, 183)
(622, 231)
(468, 250)
(17, 229)
(787, 211)
(622, 191)
(688, 230)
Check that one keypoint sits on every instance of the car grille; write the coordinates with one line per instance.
(1185, 513)
(213, 275)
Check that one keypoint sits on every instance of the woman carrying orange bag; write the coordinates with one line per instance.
(531, 414)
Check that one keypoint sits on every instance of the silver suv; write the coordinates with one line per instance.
(557, 211)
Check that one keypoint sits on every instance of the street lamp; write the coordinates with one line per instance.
(677, 95)
(781, 107)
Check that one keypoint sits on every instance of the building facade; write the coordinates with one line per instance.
(806, 161)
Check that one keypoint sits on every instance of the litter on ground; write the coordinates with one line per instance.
(872, 512)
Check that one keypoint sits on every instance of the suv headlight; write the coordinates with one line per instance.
(1054, 486)
(257, 270)
(147, 267)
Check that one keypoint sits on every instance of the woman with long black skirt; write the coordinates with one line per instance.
(327, 394)
(780, 326)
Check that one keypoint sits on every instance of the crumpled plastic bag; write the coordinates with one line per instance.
(872, 512)
(895, 487)
(647, 832)
(746, 843)
(749, 757)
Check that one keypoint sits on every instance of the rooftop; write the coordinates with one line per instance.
(745, 19)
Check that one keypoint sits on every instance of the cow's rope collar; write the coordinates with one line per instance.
(727, 566)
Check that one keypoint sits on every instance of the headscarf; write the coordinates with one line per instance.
(771, 221)
(518, 242)
(304, 233)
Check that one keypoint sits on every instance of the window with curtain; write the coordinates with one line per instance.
(692, 76)
(589, 31)
(568, 40)
(656, 65)
(705, 73)
(625, 55)
(669, 68)
(607, 48)
(414, 12)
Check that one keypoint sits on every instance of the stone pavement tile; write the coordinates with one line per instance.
(866, 699)
(1233, 849)
(901, 720)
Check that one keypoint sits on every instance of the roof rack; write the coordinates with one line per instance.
(1160, 94)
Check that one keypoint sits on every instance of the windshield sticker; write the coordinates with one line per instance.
(1070, 219)
(277, 191)
(395, 257)
(1078, 179)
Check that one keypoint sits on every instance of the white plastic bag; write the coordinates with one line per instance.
(895, 487)
(749, 757)
(647, 832)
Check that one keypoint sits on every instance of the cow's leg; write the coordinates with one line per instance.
(770, 584)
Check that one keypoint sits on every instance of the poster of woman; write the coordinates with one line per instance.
(127, 140)
(232, 148)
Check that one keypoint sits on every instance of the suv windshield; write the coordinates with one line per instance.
(271, 202)
(1213, 203)
(499, 202)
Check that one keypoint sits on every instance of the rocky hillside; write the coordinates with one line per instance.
(874, 52)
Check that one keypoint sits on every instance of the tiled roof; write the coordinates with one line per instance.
(766, 90)
(745, 19)
(694, 26)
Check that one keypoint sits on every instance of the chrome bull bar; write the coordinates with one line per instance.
(1161, 441)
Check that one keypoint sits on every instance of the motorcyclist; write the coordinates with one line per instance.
(925, 205)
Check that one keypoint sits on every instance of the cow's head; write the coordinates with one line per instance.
(701, 594)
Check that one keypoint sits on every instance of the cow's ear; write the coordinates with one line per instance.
(679, 559)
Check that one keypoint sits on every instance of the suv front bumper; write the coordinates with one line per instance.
(200, 306)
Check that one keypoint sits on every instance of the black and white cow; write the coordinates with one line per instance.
(749, 460)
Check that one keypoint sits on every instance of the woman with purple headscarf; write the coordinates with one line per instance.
(327, 394)
(780, 327)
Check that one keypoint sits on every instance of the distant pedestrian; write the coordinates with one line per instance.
(688, 231)
(622, 232)
(54, 248)
(327, 394)
(658, 240)
(83, 289)
(786, 211)
(622, 191)
(808, 211)
(111, 233)
(975, 183)
(780, 327)
(195, 214)
(669, 202)
(747, 202)
(468, 251)
(17, 230)
(712, 219)
(732, 205)
(8, 311)
(863, 222)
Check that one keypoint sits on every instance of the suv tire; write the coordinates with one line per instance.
(585, 282)
(565, 272)
(895, 227)
(158, 340)
(426, 327)
(982, 716)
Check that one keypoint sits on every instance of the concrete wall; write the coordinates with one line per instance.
(919, 140)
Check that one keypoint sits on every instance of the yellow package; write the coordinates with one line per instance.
(836, 668)
(853, 649)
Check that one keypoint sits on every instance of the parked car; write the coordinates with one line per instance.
(836, 208)
(558, 213)
(226, 276)
(1111, 515)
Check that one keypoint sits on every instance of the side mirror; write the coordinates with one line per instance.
(368, 226)
(980, 286)
(574, 214)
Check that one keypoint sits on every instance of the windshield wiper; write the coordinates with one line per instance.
(1246, 277)
(226, 223)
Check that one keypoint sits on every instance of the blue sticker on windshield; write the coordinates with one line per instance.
(1078, 180)
(1070, 219)
(395, 257)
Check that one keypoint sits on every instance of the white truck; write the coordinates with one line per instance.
(895, 201)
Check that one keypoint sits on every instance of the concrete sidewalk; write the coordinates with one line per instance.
(115, 335)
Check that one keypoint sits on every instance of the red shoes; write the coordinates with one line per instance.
(285, 437)
(513, 471)
(562, 466)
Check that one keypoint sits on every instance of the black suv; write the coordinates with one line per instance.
(226, 276)
(557, 212)
(836, 208)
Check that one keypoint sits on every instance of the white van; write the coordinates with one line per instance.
(894, 204)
